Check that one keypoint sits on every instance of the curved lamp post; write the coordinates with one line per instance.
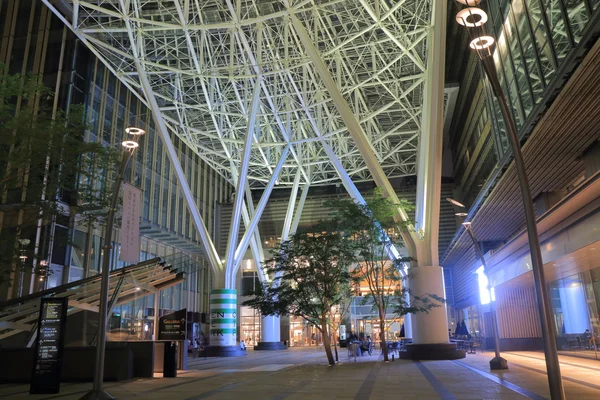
(474, 19)
(497, 362)
(129, 147)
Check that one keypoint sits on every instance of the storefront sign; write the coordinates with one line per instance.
(48, 356)
(173, 326)
(130, 228)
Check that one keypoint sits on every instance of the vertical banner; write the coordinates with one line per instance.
(130, 228)
(223, 317)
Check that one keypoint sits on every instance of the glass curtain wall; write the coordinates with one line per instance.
(534, 37)
(134, 320)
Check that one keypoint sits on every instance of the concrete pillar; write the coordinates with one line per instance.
(270, 334)
(270, 329)
(431, 327)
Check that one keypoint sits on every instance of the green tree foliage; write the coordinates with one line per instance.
(311, 277)
(372, 230)
(44, 164)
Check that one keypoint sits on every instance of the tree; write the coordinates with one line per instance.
(45, 165)
(372, 230)
(311, 276)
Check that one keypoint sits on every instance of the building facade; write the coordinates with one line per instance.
(34, 41)
(545, 57)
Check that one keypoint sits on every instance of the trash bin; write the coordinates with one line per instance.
(170, 360)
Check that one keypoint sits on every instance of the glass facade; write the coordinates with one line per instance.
(534, 40)
(576, 305)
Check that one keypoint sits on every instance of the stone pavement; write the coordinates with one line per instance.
(302, 373)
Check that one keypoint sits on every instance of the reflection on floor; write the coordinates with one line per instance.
(302, 373)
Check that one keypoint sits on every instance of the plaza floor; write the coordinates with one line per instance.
(302, 373)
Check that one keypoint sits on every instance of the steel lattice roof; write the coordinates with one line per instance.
(202, 58)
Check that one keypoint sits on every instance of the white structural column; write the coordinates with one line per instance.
(241, 189)
(241, 248)
(428, 277)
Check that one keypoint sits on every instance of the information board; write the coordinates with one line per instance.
(48, 356)
(173, 326)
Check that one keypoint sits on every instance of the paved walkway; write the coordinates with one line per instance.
(302, 373)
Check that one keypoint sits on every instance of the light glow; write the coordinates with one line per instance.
(482, 43)
(471, 17)
(135, 131)
(485, 296)
(130, 144)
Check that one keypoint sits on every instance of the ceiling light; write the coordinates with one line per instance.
(471, 17)
(461, 214)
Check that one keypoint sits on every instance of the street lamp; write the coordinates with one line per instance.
(497, 362)
(23, 257)
(129, 147)
(473, 19)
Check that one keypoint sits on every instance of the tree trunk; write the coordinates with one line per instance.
(337, 359)
(383, 342)
(384, 348)
(326, 341)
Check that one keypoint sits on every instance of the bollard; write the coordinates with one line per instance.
(392, 356)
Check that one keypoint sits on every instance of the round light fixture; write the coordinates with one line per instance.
(135, 131)
(481, 43)
(469, 2)
(130, 144)
(471, 17)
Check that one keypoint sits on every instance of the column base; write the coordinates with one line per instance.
(437, 351)
(498, 363)
(224, 351)
(270, 346)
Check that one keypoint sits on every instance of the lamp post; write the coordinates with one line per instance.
(474, 20)
(23, 257)
(497, 362)
(97, 392)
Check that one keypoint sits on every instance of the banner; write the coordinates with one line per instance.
(130, 228)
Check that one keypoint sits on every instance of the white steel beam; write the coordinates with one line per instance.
(241, 183)
(287, 223)
(300, 208)
(239, 253)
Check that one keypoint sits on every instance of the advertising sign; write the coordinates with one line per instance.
(173, 326)
(48, 356)
(130, 228)
(223, 317)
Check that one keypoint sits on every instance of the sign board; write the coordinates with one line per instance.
(48, 356)
(173, 326)
(130, 225)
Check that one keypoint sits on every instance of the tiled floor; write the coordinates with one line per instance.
(302, 373)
